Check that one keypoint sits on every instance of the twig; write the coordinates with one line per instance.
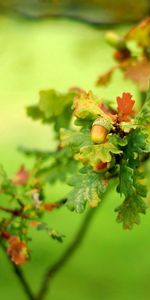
(52, 270)
(14, 212)
(19, 212)
(21, 277)
(23, 282)
(66, 255)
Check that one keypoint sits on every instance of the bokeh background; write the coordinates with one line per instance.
(111, 264)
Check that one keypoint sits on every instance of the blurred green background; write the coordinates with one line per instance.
(111, 264)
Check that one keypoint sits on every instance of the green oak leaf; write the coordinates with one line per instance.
(129, 210)
(55, 235)
(6, 185)
(88, 188)
(137, 142)
(39, 154)
(34, 112)
(128, 126)
(131, 177)
(125, 179)
(116, 140)
(53, 107)
(141, 189)
(75, 139)
(93, 154)
(143, 117)
(84, 123)
(53, 104)
(59, 167)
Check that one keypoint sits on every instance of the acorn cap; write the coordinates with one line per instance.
(102, 122)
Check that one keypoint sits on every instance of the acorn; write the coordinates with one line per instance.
(101, 166)
(99, 131)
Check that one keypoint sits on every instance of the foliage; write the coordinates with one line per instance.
(53, 107)
(94, 145)
(132, 55)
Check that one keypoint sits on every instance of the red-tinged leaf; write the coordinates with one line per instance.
(139, 72)
(125, 107)
(17, 250)
(34, 224)
(50, 206)
(21, 176)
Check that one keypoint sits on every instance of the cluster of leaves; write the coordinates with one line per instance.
(98, 146)
(94, 144)
(53, 108)
(132, 54)
(23, 196)
(121, 152)
(22, 207)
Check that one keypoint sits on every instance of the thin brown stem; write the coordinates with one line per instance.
(23, 282)
(56, 267)
(19, 273)
(52, 270)
(14, 212)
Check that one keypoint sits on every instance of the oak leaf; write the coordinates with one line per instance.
(86, 106)
(17, 250)
(50, 206)
(105, 78)
(125, 107)
(139, 73)
(21, 176)
(140, 33)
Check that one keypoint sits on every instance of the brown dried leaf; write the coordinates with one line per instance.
(105, 78)
(140, 33)
(139, 72)
(17, 250)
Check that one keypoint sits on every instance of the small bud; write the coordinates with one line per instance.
(115, 40)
